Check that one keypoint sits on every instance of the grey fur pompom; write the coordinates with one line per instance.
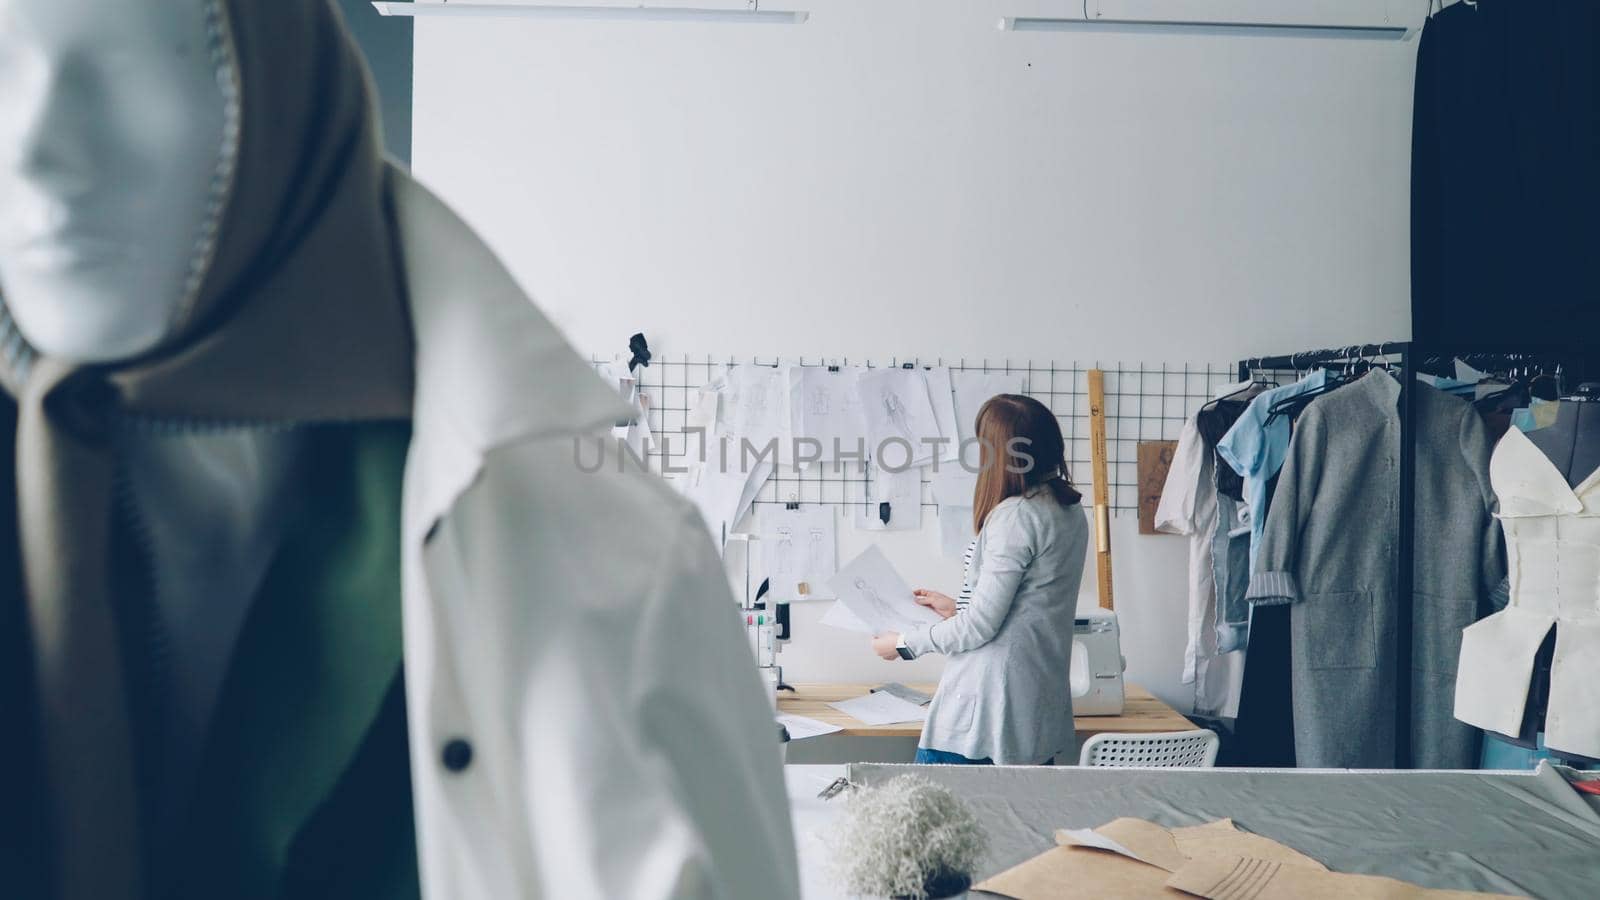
(903, 838)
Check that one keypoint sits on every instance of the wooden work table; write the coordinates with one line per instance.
(1142, 713)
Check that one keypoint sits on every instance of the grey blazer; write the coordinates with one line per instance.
(1329, 550)
(1006, 692)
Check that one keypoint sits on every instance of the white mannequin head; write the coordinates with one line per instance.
(112, 122)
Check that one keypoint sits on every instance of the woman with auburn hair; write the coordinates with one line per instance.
(1006, 696)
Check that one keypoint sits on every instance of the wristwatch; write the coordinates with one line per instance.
(904, 651)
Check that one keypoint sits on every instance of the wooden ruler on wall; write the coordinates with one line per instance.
(1102, 484)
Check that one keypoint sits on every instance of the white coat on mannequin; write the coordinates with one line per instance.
(575, 628)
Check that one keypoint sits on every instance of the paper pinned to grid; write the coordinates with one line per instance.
(875, 595)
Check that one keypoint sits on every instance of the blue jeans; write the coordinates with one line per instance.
(926, 757)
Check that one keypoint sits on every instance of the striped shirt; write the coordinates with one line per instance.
(966, 576)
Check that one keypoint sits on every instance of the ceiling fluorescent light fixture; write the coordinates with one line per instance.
(611, 13)
(1256, 29)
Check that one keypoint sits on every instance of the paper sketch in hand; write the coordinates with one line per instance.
(874, 593)
(798, 548)
(941, 393)
(901, 490)
(901, 426)
(840, 616)
(755, 408)
(825, 407)
(973, 389)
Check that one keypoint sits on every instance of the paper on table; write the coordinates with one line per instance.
(881, 709)
(1134, 838)
(1242, 878)
(800, 727)
(798, 547)
(1095, 839)
(1223, 838)
(826, 407)
(902, 491)
(1147, 860)
(1172, 849)
(840, 616)
(910, 695)
(1070, 872)
(876, 594)
(901, 427)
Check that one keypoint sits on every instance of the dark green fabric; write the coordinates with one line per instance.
(305, 789)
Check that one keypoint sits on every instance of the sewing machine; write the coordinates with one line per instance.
(1097, 664)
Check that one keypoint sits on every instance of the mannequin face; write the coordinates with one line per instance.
(111, 132)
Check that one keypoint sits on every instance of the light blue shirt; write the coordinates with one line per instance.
(1536, 415)
(1256, 448)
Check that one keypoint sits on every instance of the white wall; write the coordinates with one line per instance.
(898, 177)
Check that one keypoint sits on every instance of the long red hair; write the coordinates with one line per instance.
(1020, 449)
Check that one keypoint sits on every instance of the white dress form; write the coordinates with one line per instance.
(1544, 648)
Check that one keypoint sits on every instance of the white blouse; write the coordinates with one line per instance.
(1553, 560)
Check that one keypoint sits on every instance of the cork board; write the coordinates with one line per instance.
(1155, 459)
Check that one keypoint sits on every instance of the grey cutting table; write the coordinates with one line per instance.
(1523, 833)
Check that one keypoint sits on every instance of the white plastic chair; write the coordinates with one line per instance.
(1162, 750)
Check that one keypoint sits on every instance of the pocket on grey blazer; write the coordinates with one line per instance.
(1338, 629)
(962, 709)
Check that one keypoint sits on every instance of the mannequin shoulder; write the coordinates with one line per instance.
(584, 473)
(562, 506)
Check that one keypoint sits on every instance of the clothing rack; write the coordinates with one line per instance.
(1410, 359)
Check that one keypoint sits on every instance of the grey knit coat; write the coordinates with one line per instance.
(1330, 550)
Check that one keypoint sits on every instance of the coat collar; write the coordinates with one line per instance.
(1382, 390)
(490, 369)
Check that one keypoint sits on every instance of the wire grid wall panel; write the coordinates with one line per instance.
(1144, 402)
